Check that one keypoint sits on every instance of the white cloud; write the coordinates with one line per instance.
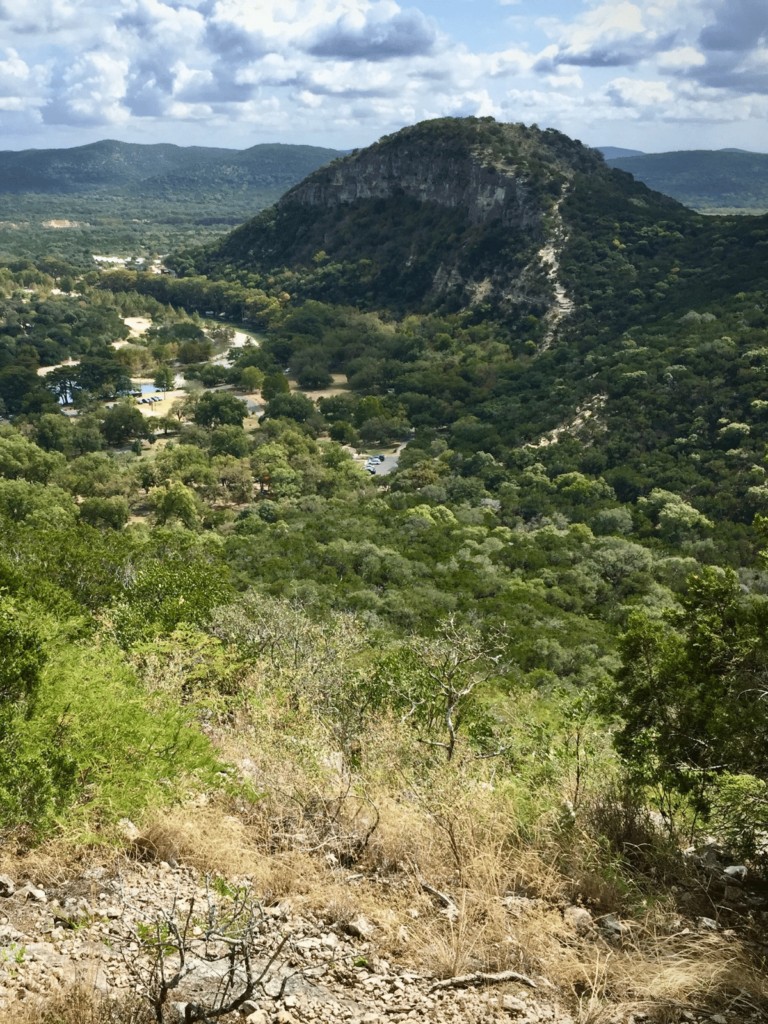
(346, 67)
(638, 94)
(612, 34)
(91, 92)
(382, 32)
(683, 58)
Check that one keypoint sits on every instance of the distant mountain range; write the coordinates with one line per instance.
(613, 152)
(712, 181)
(164, 183)
(156, 168)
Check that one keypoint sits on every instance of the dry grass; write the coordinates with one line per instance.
(78, 1005)
(660, 976)
(51, 863)
(461, 838)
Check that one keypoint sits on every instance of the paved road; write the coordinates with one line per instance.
(389, 465)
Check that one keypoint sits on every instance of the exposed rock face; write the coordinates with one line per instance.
(455, 181)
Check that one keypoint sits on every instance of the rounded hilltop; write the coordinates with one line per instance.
(441, 215)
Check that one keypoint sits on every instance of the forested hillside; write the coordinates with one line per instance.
(138, 200)
(722, 181)
(494, 706)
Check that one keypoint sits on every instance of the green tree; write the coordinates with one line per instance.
(86, 433)
(195, 351)
(103, 377)
(368, 408)
(21, 660)
(32, 782)
(54, 432)
(62, 383)
(98, 475)
(217, 408)
(294, 407)
(235, 479)
(222, 334)
(251, 378)
(123, 422)
(165, 594)
(20, 459)
(312, 376)
(274, 384)
(165, 378)
(229, 440)
(175, 501)
(166, 423)
(101, 512)
(691, 693)
(382, 430)
(343, 432)
(39, 505)
(16, 382)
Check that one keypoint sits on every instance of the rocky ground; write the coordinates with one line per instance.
(96, 929)
(90, 927)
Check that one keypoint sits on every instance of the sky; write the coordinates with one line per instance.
(652, 75)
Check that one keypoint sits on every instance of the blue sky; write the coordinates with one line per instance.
(652, 75)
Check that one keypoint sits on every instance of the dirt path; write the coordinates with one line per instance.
(549, 255)
(137, 325)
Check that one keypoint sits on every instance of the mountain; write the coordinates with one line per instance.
(468, 213)
(135, 200)
(157, 171)
(448, 211)
(222, 184)
(706, 180)
(612, 152)
(105, 164)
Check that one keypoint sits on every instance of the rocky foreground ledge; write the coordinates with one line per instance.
(88, 931)
(101, 928)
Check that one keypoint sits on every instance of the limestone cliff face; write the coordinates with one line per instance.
(459, 182)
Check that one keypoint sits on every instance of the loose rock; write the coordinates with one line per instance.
(361, 927)
(738, 871)
(579, 919)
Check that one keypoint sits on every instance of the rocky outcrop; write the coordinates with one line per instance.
(456, 181)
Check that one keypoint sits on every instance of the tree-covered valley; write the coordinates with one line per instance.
(522, 658)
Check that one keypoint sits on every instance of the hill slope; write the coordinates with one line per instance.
(613, 152)
(726, 180)
(467, 213)
(228, 186)
(134, 200)
(445, 213)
